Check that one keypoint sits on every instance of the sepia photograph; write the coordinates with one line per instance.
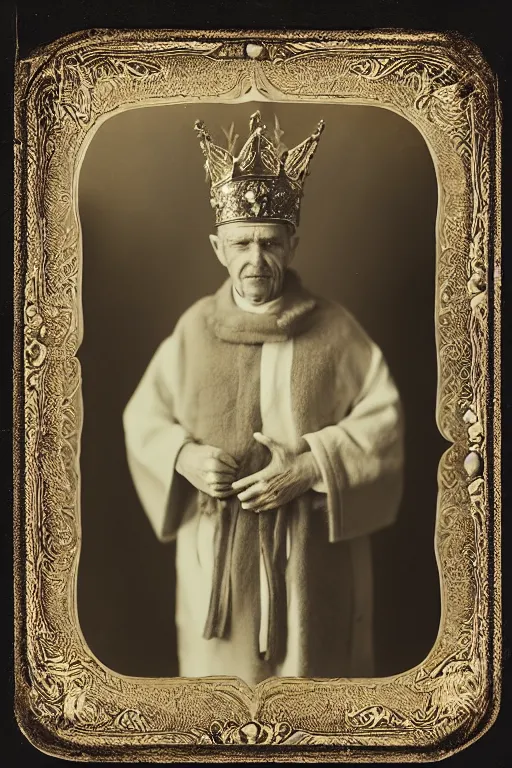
(257, 460)
(271, 402)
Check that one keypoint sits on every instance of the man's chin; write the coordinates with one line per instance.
(256, 298)
(257, 290)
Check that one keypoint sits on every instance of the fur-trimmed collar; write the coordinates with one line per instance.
(231, 323)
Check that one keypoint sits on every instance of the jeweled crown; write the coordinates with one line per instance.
(264, 182)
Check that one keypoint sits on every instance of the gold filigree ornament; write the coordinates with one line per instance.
(67, 702)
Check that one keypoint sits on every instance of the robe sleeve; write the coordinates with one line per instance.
(153, 439)
(361, 457)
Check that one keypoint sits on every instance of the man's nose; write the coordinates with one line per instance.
(256, 254)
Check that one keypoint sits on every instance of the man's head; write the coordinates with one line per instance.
(256, 255)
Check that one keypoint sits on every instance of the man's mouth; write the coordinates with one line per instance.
(256, 277)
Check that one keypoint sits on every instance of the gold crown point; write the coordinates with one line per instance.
(255, 121)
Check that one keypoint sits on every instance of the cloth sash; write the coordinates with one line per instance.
(233, 325)
(272, 527)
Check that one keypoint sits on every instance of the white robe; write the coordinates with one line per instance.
(153, 444)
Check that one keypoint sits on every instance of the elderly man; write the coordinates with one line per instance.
(266, 438)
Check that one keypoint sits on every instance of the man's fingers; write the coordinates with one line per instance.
(252, 504)
(259, 504)
(226, 459)
(219, 477)
(254, 490)
(266, 441)
(262, 508)
(221, 487)
(221, 494)
(244, 482)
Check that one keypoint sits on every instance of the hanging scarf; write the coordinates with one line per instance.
(233, 325)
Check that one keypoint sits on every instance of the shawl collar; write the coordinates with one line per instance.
(233, 324)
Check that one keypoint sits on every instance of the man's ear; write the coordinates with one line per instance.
(217, 247)
(294, 241)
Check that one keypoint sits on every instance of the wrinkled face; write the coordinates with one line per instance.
(256, 256)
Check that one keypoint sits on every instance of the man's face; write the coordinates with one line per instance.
(256, 256)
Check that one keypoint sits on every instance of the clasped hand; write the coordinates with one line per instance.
(213, 471)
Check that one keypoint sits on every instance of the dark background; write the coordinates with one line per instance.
(40, 22)
(367, 239)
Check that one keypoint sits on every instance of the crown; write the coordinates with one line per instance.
(264, 182)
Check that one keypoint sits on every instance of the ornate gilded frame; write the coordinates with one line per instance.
(69, 704)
